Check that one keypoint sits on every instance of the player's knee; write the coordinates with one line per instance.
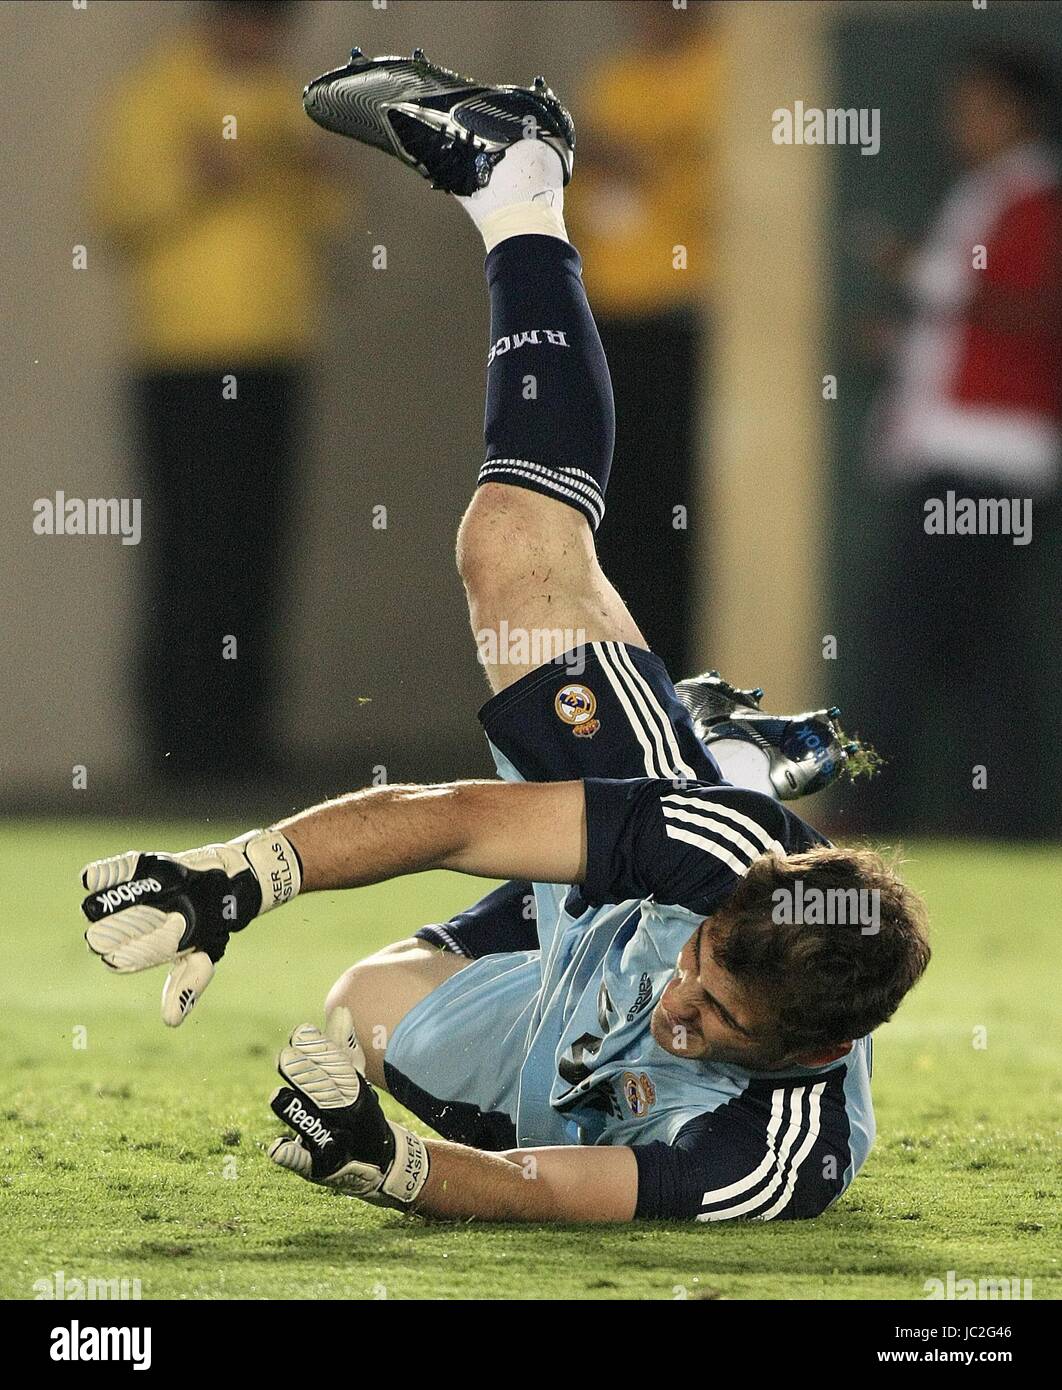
(377, 999)
(511, 538)
(342, 993)
(482, 553)
(356, 986)
(380, 990)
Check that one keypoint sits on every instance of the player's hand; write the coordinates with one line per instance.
(179, 909)
(344, 1140)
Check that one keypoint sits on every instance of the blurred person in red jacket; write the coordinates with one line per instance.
(966, 447)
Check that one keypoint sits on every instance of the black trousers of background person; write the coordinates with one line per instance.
(654, 361)
(218, 483)
(955, 678)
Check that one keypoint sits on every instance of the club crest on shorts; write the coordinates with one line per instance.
(638, 1091)
(576, 706)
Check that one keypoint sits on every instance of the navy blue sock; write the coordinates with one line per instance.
(550, 421)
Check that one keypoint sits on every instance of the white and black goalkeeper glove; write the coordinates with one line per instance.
(344, 1139)
(179, 909)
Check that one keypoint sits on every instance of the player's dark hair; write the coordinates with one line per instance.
(824, 982)
(1024, 76)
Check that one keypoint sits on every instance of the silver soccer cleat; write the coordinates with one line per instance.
(450, 129)
(805, 752)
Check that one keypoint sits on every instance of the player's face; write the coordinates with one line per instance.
(705, 1015)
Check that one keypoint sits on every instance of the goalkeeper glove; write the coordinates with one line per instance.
(179, 909)
(344, 1140)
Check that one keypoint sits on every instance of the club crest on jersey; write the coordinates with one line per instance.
(638, 1091)
(575, 706)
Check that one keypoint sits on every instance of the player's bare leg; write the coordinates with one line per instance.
(525, 548)
(529, 565)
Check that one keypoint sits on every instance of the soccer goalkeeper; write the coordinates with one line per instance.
(672, 1032)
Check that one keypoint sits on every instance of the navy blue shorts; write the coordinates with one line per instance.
(603, 710)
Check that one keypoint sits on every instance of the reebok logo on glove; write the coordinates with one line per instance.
(310, 1125)
(127, 893)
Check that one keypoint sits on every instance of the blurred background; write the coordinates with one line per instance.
(803, 342)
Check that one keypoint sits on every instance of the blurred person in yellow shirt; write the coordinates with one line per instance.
(641, 214)
(214, 203)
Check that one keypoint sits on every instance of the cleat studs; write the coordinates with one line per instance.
(418, 55)
(355, 54)
(834, 711)
(756, 694)
(850, 749)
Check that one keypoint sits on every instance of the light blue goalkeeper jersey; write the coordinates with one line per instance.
(551, 1045)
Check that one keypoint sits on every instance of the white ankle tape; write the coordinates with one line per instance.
(522, 219)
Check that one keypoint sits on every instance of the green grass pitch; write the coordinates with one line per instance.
(141, 1155)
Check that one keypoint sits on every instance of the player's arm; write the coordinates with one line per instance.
(720, 1168)
(530, 830)
(341, 1138)
(553, 1184)
(179, 910)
